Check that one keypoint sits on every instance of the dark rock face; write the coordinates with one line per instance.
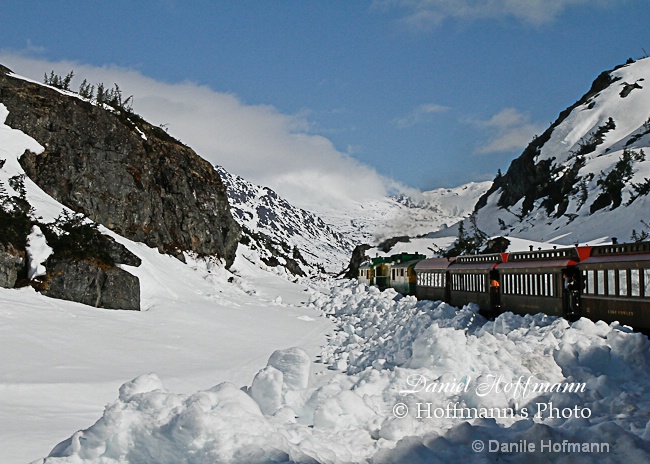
(12, 266)
(389, 243)
(121, 255)
(92, 284)
(496, 245)
(356, 260)
(122, 172)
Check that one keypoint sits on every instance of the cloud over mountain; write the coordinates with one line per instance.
(508, 130)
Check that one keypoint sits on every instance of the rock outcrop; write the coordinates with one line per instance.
(12, 265)
(121, 171)
(92, 284)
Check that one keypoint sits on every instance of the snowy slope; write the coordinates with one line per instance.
(587, 171)
(261, 211)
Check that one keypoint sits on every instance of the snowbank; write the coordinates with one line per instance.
(424, 383)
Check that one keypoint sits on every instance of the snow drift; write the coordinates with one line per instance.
(379, 410)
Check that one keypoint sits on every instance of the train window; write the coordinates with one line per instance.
(600, 282)
(622, 282)
(611, 282)
(591, 282)
(635, 280)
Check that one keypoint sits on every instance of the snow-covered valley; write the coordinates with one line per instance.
(256, 364)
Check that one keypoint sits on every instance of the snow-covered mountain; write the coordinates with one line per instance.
(586, 178)
(280, 234)
(411, 214)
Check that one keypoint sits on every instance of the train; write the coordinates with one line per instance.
(604, 282)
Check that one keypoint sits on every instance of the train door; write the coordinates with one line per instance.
(571, 293)
(495, 291)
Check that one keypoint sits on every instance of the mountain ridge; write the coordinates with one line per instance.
(586, 176)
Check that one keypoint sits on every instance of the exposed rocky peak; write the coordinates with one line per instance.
(121, 171)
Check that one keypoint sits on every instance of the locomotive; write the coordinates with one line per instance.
(605, 282)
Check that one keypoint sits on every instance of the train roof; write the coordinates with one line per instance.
(478, 262)
(538, 264)
(406, 264)
(430, 264)
(624, 252)
(544, 259)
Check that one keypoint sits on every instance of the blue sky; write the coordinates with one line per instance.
(430, 93)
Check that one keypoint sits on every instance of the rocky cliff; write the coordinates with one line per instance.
(109, 165)
(121, 171)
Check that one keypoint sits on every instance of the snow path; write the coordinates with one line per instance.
(62, 362)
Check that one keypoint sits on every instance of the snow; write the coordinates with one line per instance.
(390, 406)
(37, 253)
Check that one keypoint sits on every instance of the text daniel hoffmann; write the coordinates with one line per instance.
(522, 388)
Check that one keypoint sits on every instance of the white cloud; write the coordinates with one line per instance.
(508, 130)
(419, 115)
(256, 142)
(422, 14)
